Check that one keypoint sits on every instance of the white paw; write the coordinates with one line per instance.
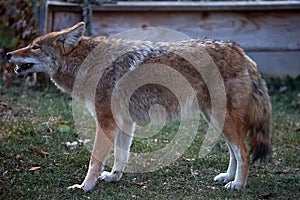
(76, 187)
(224, 178)
(84, 187)
(234, 185)
(110, 177)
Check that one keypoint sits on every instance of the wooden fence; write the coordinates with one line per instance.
(268, 31)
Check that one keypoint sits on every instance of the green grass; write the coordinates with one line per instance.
(35, 121)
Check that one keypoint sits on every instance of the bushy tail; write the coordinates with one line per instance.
(260, 120)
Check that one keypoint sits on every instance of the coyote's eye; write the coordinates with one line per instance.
(35, 47)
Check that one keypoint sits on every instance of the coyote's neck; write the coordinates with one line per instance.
(65, 75)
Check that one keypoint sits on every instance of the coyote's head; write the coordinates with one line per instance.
(44, 53)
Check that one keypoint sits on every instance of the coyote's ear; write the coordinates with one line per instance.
(72, 36)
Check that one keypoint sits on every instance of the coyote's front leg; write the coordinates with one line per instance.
(102, 145)
(121, 154)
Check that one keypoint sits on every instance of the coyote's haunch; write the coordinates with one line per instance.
(248, 109)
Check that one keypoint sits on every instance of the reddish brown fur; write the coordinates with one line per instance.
(248, 105)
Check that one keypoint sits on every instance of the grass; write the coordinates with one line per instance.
(37, 116)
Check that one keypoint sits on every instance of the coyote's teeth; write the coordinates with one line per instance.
(22, 67)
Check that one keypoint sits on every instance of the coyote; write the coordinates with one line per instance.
(248, 107)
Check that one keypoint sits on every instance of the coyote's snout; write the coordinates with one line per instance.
(248, 110)
(27, 59)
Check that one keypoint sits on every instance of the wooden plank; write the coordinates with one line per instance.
(50, 19)
(183, 6)
(63, 20)
(43, 17)
(63, 6)
(280, 63)
(255, 31)
(198, 6)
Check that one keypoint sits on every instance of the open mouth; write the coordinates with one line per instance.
(23, 67)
